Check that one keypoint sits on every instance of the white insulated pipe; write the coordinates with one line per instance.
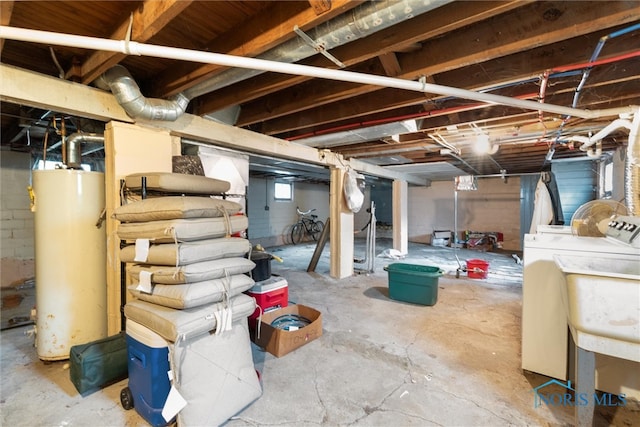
(588, 142)
(140, 49)
(632, 168)
(587, 145)
(616, 124)
(362, 21)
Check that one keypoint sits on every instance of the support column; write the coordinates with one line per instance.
(400, 215)
(585, 387)
(128, 149)
(341, 228)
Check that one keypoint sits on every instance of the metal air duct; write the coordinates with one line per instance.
(118, 80)
(362, 21)
(74, 147)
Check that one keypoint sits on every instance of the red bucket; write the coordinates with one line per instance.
(477, 269)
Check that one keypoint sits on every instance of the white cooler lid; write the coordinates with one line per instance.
(144, 335)
(268, 285)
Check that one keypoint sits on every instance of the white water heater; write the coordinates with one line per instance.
(70, 258)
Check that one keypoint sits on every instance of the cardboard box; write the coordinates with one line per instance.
(279, 341)
(441, 237)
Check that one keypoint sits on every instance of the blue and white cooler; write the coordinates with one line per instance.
(208, 350)
(148, 364)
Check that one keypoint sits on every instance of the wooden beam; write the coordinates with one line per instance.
(258, 35)
(503, 35)
(6, 9)
(341, 231)
(521, 66)
(50, 93)
(148, 20)
(444, 112)
(352, 104)
(439, 55)
(436, 22)
(453, 112)
(218, 134)
(320, 6)
(390, 64)
(297, 98)
(493, 118)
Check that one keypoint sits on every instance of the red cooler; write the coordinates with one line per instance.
(270, 294)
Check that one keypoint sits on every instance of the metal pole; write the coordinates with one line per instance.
(455, 218)
(372, 249)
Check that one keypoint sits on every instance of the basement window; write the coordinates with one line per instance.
(283, 191)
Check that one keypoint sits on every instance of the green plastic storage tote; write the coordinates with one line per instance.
(413, 283)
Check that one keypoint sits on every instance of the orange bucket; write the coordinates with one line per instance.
(477, 269)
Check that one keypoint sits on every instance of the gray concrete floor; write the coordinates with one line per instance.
(379, 362)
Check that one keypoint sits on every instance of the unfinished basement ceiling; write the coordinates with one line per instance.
(567, 53)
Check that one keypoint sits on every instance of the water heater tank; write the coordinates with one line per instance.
(70, 257)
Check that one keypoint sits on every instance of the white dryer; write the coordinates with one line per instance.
(547, 347)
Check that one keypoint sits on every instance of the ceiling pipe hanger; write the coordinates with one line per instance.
(317, 47)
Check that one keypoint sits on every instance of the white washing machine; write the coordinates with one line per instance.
(553, 229)
(547, 347)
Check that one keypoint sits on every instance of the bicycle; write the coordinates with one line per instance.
(307, 224)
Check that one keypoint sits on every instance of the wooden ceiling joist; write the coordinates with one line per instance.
(439, 58)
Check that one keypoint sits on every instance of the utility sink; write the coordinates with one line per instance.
(602, 302)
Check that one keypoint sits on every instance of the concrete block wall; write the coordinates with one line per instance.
(17, 250)
(495, 206)
(430, 208)
(272, 226)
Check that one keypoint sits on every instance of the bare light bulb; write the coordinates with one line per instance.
(482, 144)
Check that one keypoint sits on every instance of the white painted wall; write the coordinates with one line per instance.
(16, 227)
(495, 206)
(430, 208)
(272, 227)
